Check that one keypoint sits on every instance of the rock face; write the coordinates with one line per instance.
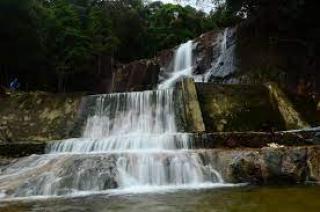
(37, 116)
(291, 117)
(206, 50)
(143, 74)
(267, 165)
(237, 108)
(254, 139)
(135, 76)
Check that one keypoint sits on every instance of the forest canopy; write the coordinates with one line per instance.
(60, 45)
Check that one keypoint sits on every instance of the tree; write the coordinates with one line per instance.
(67, 44)
(20, 47)
(103, 42)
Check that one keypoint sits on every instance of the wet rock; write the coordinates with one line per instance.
(190, 112)
(59, 174)
(135, 76)
(207, 51)
(143, 74)
(285, 165)
(254, 139)
(292, 118)
(247, 168)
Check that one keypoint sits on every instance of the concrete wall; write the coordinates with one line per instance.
(189, 116)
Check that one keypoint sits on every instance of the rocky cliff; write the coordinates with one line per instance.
(268, 165)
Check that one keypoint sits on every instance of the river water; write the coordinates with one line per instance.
(296, 198)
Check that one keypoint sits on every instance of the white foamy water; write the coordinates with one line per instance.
(130, 141)
(128, 113)
(182, 65)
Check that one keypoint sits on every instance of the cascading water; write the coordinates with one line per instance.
(129, 143)
(182, 65)
(222, 67)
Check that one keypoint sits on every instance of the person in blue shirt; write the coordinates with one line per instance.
(14, 84)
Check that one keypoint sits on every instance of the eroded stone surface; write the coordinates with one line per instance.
(291, 117)
(267, 165)
(135, 76)
(37, 116)
(237, 108)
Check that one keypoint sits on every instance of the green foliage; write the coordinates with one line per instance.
(66, 42)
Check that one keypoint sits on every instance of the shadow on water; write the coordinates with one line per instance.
(297, 198)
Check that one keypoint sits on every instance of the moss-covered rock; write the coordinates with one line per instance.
(306, 105)
(291, 117)
(237, 108)
(37, 116)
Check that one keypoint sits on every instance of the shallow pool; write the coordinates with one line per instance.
(297, 198)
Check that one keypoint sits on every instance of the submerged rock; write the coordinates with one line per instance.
(58, 174)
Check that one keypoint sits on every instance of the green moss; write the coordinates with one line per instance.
(237, 108)
(37, 116)
(292, 118)
(307, 106)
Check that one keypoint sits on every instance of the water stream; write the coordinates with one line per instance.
(130, 143)
(182, 65)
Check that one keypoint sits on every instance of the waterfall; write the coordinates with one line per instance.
(182, 65)
(129, 121)
(222, 67)
(130, 143)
